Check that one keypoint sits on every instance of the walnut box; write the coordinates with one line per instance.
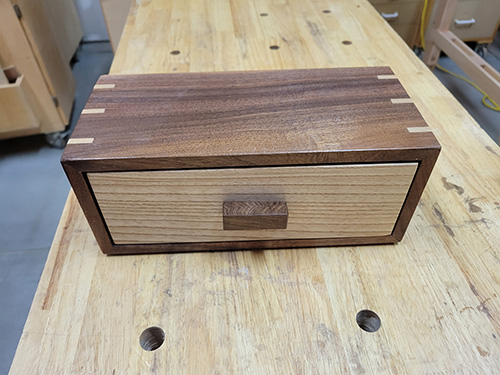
(249, 160)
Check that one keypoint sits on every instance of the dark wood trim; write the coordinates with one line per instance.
(415, 192)
(250, 161)
(247, 245)
(85, 197)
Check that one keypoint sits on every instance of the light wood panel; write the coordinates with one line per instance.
(53, 64)
(65, 26)
(16, 107)
(186, 206)
(286, 311)
(16, 51)
(408, 12)
(115, 14)
(407, 21)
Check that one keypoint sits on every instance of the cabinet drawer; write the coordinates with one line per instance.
(398, 13)
(392, 2)
(326, 201)
(18, 109)
(476, 20)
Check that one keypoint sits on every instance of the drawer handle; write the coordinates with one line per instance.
(254, 215)
(465, 23)
(390, 16)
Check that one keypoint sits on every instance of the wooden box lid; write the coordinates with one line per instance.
(196, 120)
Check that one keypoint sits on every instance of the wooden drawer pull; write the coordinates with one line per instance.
(254, 215)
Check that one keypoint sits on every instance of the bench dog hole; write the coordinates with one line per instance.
(368, 321)
(152, 338)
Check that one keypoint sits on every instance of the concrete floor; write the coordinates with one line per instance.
(33, 190)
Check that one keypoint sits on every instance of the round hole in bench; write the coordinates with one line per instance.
(175, 52)
(263, 14)
(368, 321)
(327, 11)
(346, 42)
(152, 338)
(274, 47)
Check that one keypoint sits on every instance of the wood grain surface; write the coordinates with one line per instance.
(285, 311)
(187, 120)
(65, 25)
(331, 201)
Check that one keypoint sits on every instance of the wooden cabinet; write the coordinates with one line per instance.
(270, 159)
(18, 109)
(38, 39)
(476, 20)
(403, 15)
(115, 14)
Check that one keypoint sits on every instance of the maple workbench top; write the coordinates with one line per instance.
(436, 293)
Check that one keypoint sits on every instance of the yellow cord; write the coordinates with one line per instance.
(422, 24)
(493, 106)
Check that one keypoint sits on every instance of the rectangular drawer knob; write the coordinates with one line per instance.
(254, 215)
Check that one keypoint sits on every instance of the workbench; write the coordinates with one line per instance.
(436, 293)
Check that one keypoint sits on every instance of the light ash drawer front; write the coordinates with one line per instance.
(182, 206)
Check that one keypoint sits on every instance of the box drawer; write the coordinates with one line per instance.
(249, 160)
(325, 201)
(18, 109)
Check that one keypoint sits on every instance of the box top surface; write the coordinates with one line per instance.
(229, 114)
